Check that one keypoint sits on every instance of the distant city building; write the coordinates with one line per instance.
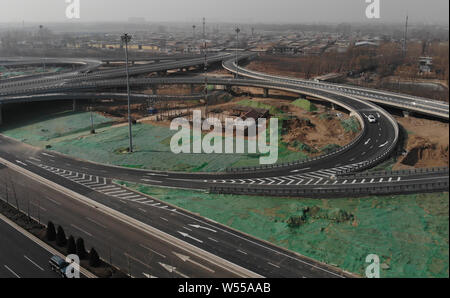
(285, 50)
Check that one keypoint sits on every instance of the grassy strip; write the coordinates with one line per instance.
(408, 232)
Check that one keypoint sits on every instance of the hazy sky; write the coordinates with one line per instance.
(242, 11)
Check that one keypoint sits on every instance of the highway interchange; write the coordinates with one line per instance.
(209, 249)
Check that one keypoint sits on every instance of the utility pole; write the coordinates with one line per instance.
(92, 120)
(39, 212)
(405, 46)
(237, 44)
(41, 34)
(205, 68)
(193, 32)
(126, 39)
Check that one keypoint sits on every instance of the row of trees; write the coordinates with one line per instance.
(73, 247)
(387, 59)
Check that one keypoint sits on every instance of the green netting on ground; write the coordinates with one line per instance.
(152, 150)
(351, 125)
(305, 105)
(4, 72)
(68, 133)
(409, 232)
(45, 130)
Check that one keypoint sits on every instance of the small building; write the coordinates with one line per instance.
(425, 64)
(366, 44)
(285, 50)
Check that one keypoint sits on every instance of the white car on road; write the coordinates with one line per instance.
(371, 119)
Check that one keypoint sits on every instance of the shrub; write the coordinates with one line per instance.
(94, 259)
(61, 239)
(81, 251)
(71, 246)
(51, 233)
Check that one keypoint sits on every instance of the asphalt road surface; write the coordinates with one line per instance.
(20, 257)
(129, 245)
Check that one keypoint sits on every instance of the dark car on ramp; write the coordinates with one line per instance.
(58, 265)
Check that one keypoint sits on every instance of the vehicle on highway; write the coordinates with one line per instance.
(58, 265)
(371, 119)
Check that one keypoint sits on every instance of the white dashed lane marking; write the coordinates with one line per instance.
(104, 186)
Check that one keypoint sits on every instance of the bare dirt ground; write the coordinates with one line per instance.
(306, 127)
(276, 67)
(309, 128)
(427, 143)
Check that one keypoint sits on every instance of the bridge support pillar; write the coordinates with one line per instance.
(266, 92)
(133, 62)
(74, 105)
(228, 88)
(155, 89)
(333, 106)
(406, 114)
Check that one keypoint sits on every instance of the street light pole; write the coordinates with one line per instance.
(92, 120)
(237, 44)
(205, 68)
(41, 35)
(126, 39)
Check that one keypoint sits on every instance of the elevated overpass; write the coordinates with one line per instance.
(404, 102)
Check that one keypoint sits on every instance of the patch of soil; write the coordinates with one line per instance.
(310, 128)
(427, 144)
(281, 66)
